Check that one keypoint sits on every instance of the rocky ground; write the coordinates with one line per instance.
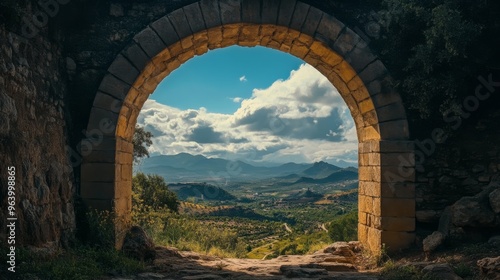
(340, 260)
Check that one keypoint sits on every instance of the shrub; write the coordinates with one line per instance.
(344, 228)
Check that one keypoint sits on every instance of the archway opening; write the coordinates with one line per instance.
(386, 171)
(257, 145)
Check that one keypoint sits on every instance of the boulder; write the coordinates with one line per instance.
(340, 249)
(473, 211)
(489, 267)
(494, 240)
(139, 245)
(441, 271)
(494, 198)
(432, 241)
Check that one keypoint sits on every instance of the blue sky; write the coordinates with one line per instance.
(253, 104)
(213, 79)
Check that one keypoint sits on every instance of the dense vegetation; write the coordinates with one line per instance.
(437, 49)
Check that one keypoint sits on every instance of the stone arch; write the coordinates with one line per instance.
(386, 171)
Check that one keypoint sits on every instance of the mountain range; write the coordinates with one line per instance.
(185, 167)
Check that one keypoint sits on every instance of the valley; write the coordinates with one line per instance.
(269, 210)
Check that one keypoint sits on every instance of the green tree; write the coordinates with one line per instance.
(436, 49)
(152, 191)
(344, 228)
(142, 140)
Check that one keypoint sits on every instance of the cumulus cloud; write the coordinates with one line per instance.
(301, 119)
(243, 78)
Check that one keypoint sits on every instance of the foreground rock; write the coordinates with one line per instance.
(139, 245)
(462, 220)
(441, 271)
(490, 267)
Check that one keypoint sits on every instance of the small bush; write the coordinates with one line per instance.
(344, 228)
(81, 263)
(463, 270)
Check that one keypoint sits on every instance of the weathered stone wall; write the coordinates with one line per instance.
(33, 134)
(464, 165)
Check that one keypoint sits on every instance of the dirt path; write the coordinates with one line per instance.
(337, 261)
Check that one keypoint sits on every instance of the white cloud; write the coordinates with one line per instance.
(237, 99)
(243, 78)
(301, 119)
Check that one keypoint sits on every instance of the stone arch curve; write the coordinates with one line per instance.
(386, 172)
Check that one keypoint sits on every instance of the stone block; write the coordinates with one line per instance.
(136, 56)
(299, 51)
(186, 43)
(214, 38)
(346, 42)
(299, 16)
(150, 42)
(165, 30)
(385, 98)
(211, 13)
(325, 54)
(369, 133)
(311, 23)
(122, 205)
(370, 118)
(96, 156)
(394, 130)
(121, 127)
(397, 174)
(328, 30)
(366, 106)
(100, 118)
(369, 188)
(98, 172)
(358, 89)
(123, 158)
(396, 240)
(105, 144)
(360, 56)
(398, 190)
(124, 146)
(123, 189)
(123, 69)
(126, 171)
(395, 223)
(393, 111)
(398, 207)
(270, 9)
(97, 190)
(107, 102)
(406, 159)
(250, 11)
(369, 173)
(387, 146)
(249, 35)
(345, 71)
(100, 204)
(375, 70)
(362, 218)
(374, 239)
(365, 203)
(230, 11)
(114, 86)
(180, 23)
(285, 12)
(194, 17)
